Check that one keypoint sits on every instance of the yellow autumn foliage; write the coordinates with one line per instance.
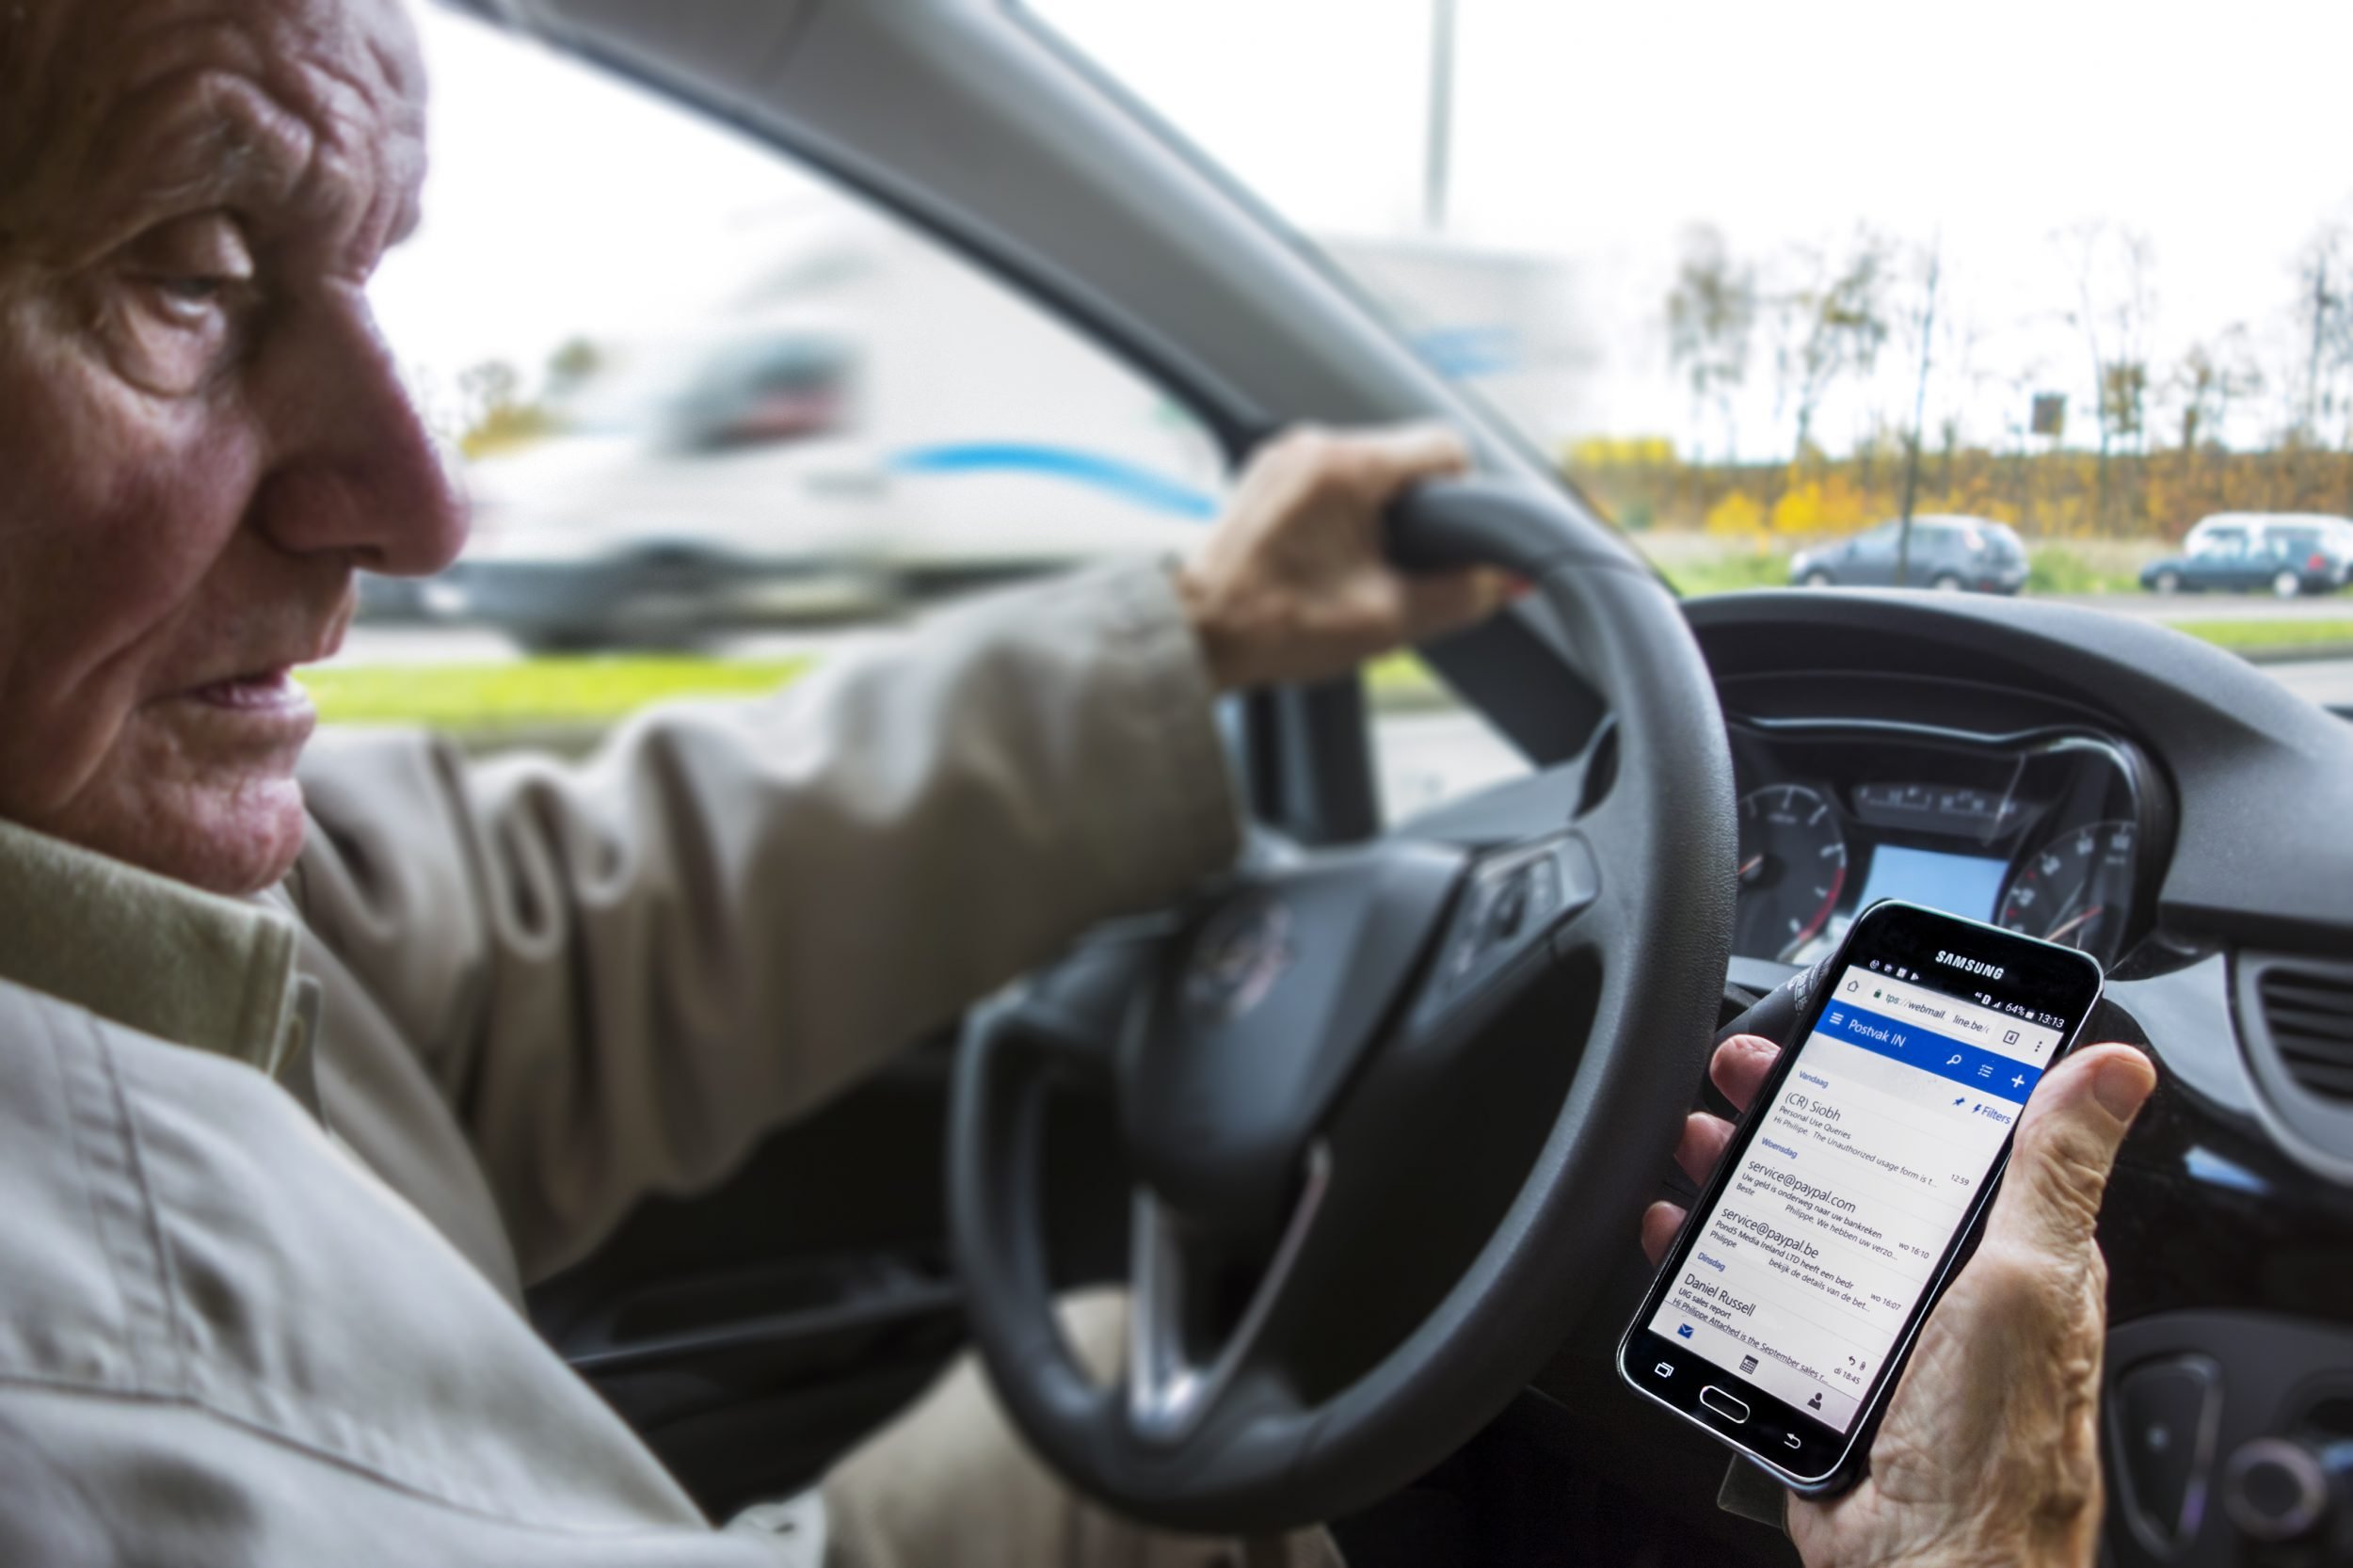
(1828, 505)
(1735, 514)
(1614, 451)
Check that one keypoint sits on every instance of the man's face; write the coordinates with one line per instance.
(202, 437)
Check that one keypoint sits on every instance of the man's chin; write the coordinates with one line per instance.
(234, 838)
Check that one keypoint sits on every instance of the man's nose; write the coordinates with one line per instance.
(353, 467)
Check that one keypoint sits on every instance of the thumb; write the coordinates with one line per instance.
(2067, 1142)
(1441, 602)
(1396, 455)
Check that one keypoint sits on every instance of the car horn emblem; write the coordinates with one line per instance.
(1236, 959)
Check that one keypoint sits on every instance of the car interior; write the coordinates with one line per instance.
(1382, 1237)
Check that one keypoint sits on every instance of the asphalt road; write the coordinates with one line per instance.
(2326, 682)
(463, 644)
(410, 644)
(2338, 606)
(1423, 758)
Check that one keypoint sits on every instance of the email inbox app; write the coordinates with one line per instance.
(1832, 1229)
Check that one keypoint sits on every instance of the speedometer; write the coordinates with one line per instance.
(2076, 889)
(1793, 866)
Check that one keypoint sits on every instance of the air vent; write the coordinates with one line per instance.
(2310, 1015)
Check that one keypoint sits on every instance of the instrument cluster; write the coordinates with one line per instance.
(2046, 834)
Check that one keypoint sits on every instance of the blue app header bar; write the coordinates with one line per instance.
(2001, 1077)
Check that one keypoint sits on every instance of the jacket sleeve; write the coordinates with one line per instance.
(622, 972)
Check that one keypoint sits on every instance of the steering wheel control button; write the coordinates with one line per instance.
(1511, 907)
(2166, 1414)
(1514, 897)
(2274, 1490)
(1723, 1405)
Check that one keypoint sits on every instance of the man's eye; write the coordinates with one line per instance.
(190, 297)
(180, 303)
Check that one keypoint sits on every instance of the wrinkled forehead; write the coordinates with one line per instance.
(312, 102)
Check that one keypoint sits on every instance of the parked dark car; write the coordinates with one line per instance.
(1954, 553)
(2288, 559)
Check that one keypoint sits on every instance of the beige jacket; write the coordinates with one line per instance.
(276, 1172)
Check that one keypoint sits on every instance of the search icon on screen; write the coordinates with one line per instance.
(1953, 1061)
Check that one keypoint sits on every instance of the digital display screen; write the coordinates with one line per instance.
(1963, 885)
(1831, 1229)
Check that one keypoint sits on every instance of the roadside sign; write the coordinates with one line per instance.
(2050, 413)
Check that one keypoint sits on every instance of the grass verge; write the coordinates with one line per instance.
(531, 693)
(2272, 636)
(1725, 574)
(2054, 569)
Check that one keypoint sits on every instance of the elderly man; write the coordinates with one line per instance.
(303, 1075)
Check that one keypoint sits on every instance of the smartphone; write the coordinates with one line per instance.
(1791, 1300)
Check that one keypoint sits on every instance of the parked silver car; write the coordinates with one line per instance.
(1950, 553)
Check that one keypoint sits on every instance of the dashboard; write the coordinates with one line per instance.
(2045, 832)
(2174, 813)
(2179, 815)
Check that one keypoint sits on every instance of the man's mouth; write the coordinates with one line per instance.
(255, 691)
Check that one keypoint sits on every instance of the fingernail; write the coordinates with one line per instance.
(1517, 587)
(1755, 1045)
(2123, 1084)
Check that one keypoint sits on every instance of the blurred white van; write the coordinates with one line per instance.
(874, 423)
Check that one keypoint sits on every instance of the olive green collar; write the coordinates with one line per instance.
(153, 954)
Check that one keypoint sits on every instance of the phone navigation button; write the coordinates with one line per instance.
(1723, 1405)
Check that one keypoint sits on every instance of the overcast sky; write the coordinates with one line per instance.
(1598, 133)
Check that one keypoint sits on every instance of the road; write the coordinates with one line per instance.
(406, 644)
(2326, 682)
(2215, 607)
(1423, 757)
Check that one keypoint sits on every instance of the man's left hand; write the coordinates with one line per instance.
(1990, 1452)
(1295, 583)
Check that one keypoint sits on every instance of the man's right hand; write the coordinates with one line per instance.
(1295, 582)
(1988, 1453)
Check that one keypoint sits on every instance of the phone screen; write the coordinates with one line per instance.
(1860, 1175)
(1843, 1196)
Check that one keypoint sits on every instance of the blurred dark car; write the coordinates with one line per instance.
(2235, 555)
(1952, 554)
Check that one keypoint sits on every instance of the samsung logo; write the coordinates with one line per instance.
(1991, 972)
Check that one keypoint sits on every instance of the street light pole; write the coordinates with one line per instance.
(1919, 416)
(1440, 149)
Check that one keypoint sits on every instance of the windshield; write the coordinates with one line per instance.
(1757, 278)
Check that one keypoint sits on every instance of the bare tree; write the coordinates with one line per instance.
(2324, 319)
(575, 363)
(2212, 374)
(1832, 324)
(1711, 314)
(2114, 305)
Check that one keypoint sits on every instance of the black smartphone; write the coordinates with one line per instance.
(1788, 1303)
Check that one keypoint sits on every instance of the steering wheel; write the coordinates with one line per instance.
(1319, 1063)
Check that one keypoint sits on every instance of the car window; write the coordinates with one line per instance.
(715, 414)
